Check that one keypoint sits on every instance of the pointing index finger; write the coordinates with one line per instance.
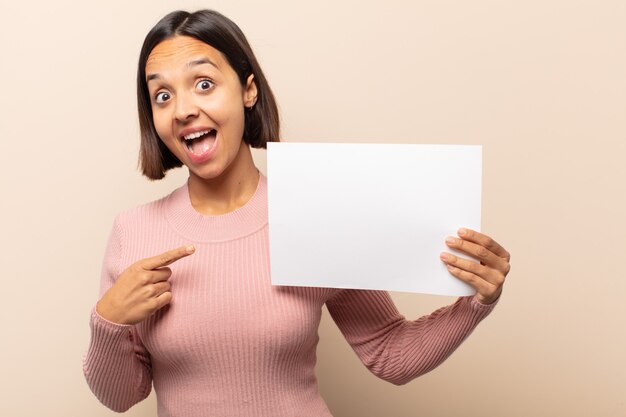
(167, 258)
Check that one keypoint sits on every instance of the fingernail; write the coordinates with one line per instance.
(462, 231)
(444, 256)
(190, 249)
(450, 239)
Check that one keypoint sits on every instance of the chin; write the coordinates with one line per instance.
(206, 173)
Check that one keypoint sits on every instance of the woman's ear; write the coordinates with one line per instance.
(250, 92)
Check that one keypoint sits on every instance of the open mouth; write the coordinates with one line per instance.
(199, 143)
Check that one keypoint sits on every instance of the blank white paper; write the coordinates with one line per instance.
(370, 216)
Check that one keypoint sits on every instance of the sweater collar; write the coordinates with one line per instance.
(199, 227)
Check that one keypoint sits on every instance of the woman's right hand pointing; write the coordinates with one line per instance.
(141, 289)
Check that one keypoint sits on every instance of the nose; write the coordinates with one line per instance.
(186, 108)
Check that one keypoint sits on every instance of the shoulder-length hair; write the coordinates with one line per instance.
(261, 123)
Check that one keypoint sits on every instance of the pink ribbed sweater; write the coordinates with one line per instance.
(231, 344)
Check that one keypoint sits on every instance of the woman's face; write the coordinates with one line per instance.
(197, 104)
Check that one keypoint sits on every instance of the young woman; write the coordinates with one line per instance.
(186, 300)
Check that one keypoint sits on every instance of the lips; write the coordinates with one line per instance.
(199, 143)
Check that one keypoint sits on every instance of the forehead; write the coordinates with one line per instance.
(175, 53)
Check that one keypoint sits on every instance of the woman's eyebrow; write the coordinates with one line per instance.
(200, 61)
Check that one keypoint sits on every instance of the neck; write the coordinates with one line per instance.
(229, 190)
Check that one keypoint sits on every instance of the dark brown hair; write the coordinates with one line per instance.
(261, 123)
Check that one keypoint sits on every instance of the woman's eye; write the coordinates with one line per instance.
(204, 84)
(162, 97)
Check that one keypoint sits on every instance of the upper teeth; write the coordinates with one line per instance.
(196, 134)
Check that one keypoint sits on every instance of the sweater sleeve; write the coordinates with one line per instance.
(117, 365)
(399, 350)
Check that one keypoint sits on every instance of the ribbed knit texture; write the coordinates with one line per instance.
(231, 344)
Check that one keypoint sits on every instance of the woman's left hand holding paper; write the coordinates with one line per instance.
(488, 276)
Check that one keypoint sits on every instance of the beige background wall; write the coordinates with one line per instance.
(541, 84)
